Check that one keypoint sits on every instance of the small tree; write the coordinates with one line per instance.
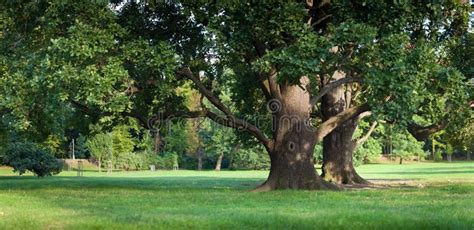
(123, 146)
(406, 146)
(100, 147)
(81, 150)
(449, 152)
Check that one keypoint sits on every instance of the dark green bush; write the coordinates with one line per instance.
(28, 156)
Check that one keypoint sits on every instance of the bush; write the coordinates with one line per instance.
(251, 158)
(167, 161)
(27, 156)
(438, 156)
(368, 152)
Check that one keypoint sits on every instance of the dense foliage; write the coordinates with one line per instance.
(26, 156)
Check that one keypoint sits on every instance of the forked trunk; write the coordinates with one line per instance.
(291, 153)
(338, 146)
(219, 162)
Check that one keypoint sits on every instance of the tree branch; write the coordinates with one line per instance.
(236, 123)
(326, 89)
(367, 135)
(332, 123)
(229, 119)
(422, 133)
(186, 72)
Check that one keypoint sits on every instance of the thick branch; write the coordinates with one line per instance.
(367, 135)
(326, 89)
(240, 124)
(273, 85)
(186, 72)
(422, 133)
(332, 123)
(362, 115)
(229, 120)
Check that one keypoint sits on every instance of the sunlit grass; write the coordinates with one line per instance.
(217, 200)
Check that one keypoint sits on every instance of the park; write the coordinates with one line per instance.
(413, 196)
(331, 114)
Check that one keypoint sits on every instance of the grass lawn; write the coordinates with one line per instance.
(420, 196)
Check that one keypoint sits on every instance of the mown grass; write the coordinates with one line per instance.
(431, 196)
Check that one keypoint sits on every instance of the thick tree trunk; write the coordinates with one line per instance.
(100, 165)
(219, 162)
(291, 152)
(449, 157)
(338, 146)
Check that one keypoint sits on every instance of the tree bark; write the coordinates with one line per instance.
(338, 148)
(100, 165)
(219, 162)
(338, 145)
(291, 152)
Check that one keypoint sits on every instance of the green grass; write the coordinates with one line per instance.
(222, 200)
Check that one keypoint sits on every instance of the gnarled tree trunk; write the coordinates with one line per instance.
(291, 152)
(338, 148)
(338, 145)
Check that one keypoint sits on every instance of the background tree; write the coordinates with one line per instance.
(101, 147)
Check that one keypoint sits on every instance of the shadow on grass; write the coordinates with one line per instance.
(135, 183)
(426, 172)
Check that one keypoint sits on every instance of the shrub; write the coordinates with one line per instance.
(368, 152)
(27, 156)
(167, 161)
(438, 156)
